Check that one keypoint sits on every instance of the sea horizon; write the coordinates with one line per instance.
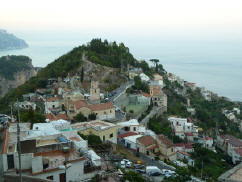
(214, 65)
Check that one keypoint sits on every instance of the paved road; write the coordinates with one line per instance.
(122, 89)
(153, 112)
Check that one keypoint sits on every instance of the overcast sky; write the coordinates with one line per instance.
(137, 16)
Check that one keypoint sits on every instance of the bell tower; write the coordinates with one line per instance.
(95, 92)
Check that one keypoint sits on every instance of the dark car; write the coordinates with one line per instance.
(141, 171)
(155, 174)
(139, 166)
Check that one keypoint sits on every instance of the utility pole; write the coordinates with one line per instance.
(19, 147)
(202, 170)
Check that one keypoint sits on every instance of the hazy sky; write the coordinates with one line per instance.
(135, 16)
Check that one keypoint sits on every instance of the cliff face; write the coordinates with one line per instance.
(14, 71)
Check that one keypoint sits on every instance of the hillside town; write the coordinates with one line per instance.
(92, 134)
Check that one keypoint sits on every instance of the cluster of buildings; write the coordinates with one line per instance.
(232, 146)
(51, 151)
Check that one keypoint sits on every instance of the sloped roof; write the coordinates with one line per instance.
(147, 140)
(80, 103)
(146, 94)
(232, 140)
(62, 116)
(52, 99)
(127, 134)
(165, 140)
(103, 106)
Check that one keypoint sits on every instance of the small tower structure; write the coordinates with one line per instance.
(95, 92)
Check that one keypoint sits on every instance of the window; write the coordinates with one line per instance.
(171, 149)
(110, 111)
(103, 138)
(53, 106)
(111, 135)
(134, 128)
(105, 112)
(50, 177)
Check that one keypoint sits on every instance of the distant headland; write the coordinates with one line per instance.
(9, 41)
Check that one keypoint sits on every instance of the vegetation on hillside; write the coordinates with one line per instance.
(59, 68)
(109, 53)
(12, 64)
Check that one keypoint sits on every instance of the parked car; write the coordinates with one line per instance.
(152, 169)
(154, 174)
(122, 164)
(141, 171)
(129, 164)
(138, 166)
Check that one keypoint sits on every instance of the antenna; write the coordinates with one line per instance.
(19, 147)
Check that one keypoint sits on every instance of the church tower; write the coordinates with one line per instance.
(95, 92)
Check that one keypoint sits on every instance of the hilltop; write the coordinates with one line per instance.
(106, 56)
(10, 41)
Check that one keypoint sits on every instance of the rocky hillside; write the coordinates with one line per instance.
(88, 58)
(14, 71)
(10, 41)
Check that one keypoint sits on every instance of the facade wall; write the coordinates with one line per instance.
(26, 160)
(105, 114)
(107, 133)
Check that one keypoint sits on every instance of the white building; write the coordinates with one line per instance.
(46, 155)
(130, 141)
(51, 103)
(144, 77)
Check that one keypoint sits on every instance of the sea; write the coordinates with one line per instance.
(215, 65)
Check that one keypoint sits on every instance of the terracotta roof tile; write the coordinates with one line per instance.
(146, 140)
(127, 134)
(80, 103)
(50, 116)
(52, 99)
(62, 116)
(165, 140)
(146, 95)
(103, 106)
(184, 153)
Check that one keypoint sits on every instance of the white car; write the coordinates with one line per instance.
(122, 164)
(129, 164)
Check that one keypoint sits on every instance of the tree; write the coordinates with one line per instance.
(82, 75)
(32, 117)
(92, 116)
(79, 118)
(155, 61)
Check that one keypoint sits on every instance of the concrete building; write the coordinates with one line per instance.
(106, 131)
(167, 150)
(103, 111)
(158, 97)
(46, 153)
(147, 145)
(231, 145)
(94, 92)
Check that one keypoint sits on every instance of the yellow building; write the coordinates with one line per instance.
(167, 149)
(106, 131)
